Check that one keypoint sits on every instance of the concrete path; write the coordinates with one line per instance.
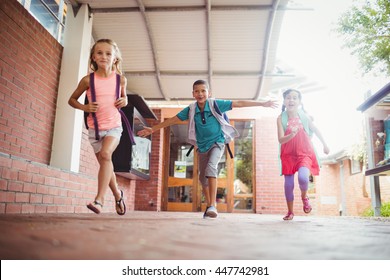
(186, 236)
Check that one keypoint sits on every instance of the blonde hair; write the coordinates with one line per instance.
(117, 66)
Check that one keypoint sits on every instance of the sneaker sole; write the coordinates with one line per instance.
(211, 214)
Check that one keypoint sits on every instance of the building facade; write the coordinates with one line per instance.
(33, 179)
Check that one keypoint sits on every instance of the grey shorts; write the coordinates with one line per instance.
(208, 163)
(97, 144)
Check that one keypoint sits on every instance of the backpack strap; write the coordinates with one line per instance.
(226, 119)
(190, 150)
(304, 120)
(93, 96)
(123, 115)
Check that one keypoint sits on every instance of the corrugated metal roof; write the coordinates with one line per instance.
(167, 45)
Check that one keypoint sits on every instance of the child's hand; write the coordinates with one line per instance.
(121, 102)
(91, 107)
(145, 132)
(271, 103)
(326, 149)
(294, 130)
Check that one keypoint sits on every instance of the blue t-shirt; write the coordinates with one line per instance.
(208, 129)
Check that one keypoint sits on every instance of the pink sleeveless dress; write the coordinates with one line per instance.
(299, 151)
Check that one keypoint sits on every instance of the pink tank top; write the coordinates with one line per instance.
(107, 115)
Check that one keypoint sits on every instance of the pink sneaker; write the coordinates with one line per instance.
(306, 205)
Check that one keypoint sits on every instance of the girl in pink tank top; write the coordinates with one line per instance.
(105, 62)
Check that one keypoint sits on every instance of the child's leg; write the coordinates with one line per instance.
(303, 180)
(202, 162)
(211, 170)
(120, 206)
(106, 168)
(114, 187)
(213, 191)
(289, 192)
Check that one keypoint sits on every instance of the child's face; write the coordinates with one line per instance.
(292, 101)
(200, 93)
(104, 55)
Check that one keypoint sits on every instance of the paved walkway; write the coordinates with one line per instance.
(186, 236)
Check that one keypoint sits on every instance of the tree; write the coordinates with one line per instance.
(366, 31)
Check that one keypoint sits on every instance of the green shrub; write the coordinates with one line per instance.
(385, 211)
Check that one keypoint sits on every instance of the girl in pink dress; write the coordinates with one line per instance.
(297, 153)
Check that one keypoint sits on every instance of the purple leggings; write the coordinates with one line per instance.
(303, 180)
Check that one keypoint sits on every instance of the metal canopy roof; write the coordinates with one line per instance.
(168, 44)
(381, 98)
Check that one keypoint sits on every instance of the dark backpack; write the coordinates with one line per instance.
(224, 115)
(95, 121)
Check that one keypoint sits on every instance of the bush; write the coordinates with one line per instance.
(385, 211)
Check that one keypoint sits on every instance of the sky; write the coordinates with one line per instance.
(308, 44)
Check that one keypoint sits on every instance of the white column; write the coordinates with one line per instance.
(69, 122)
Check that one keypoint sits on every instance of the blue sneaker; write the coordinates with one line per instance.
(210, 212)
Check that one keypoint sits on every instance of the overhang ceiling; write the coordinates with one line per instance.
(168, 44)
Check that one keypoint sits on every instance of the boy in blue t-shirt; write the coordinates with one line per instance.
(210, 138)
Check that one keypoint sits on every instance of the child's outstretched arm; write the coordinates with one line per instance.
(149, 130)
(253, 103)
(319, 135)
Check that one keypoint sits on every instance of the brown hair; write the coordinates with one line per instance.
(287, 92)
(201, 82)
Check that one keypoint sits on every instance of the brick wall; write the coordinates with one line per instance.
(356, 189)
(29, 75)
(269, 185)
(148, 194)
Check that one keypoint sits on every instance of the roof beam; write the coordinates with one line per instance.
(264, 61)
(181, 9)
(209, 7)
(153, 47)
(197, 8)
(202, 73)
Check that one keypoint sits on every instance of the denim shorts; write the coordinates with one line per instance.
(97, 144)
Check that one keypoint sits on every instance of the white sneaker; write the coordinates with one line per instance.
(211, 212)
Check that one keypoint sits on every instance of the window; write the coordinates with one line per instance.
(356, 166)
(50, 13)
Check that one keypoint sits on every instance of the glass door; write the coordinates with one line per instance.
(243, 167)
(182, 193)
(182, 190)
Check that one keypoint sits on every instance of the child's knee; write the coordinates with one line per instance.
(105, 155)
